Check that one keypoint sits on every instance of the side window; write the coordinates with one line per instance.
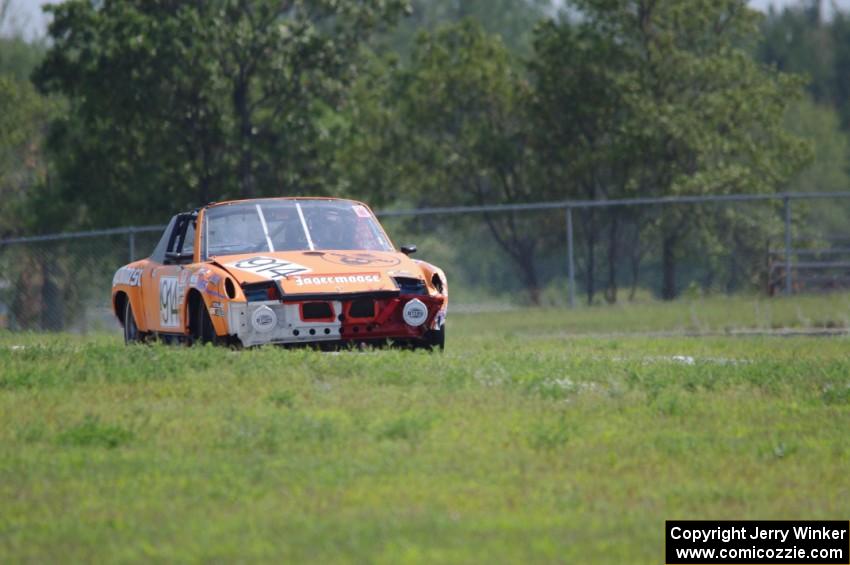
(158, 254)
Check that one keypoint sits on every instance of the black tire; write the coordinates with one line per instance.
(203, 331)
(131, 330)
(436, 339)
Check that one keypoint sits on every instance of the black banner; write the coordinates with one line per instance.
(694, 542)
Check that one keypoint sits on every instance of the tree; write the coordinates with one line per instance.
(31, 290)
(694, 113)
(461, 106)
(175, 103)
(796, 39)
(512, 20)
(828, 172)
(576, 123)
(23, 118)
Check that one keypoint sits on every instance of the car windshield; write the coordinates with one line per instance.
(292, 225)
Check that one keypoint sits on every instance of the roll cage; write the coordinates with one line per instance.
(176, 246)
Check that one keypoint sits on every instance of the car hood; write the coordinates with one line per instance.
(311, 272)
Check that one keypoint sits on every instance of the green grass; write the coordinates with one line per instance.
(539, 436)
(715, 315)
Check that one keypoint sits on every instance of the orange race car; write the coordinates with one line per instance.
(283, 271)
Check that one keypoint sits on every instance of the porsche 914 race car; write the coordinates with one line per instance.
(286, 271)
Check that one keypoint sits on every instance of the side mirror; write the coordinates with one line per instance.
(174, 258)
(408, 249)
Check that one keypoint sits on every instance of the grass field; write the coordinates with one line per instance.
(538, 436)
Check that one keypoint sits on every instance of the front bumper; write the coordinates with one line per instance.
(385, 323)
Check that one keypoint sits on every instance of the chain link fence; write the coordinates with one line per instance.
(63, 282)
(495, 257)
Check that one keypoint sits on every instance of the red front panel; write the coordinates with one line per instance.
(387, 321)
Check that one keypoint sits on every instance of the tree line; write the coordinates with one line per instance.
(136, 108)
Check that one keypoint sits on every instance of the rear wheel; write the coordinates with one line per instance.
(131, 330)
(203, 330)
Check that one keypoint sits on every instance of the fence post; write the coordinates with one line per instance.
(132, 238)
(788, 285)
(571, 267)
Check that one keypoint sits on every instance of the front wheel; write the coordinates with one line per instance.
(436, 339)
(131, 330)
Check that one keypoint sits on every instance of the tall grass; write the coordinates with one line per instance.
(525, 442)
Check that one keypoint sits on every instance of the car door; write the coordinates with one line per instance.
(148, 287)
(166, 283)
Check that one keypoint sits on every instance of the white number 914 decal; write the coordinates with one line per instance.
(169, 312)
(269, 267)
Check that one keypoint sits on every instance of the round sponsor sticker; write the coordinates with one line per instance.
(415, 313)
(264, 319)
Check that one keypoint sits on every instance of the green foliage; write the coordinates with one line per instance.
(820, 125)
(176, 104)
(24, 118)
(369, 157)
(459, 134)
(171, 105)
(550, 435)
(158, 453)
(92, 433)
(798, 39)
(283, 399)
(627, 99)
(836, 395)
(512, 20)
(462, 104)
(19, 57)
(669, 103)
(409, 427)
(695, 113)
